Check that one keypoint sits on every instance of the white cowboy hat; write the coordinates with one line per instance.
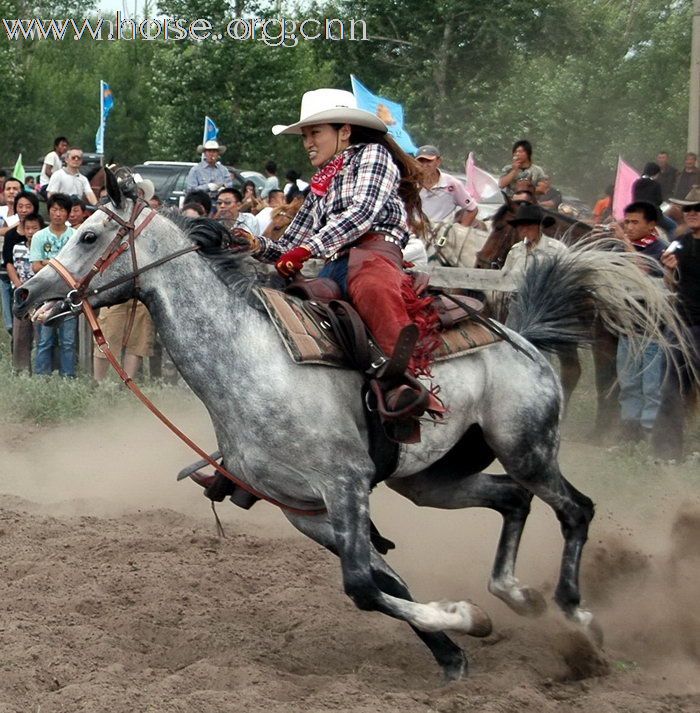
(693, 198)
(211, 145)
(330, 106)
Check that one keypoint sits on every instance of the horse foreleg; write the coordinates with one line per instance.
(349, 517)
(448, 655)
(441, 488)
(372, 585)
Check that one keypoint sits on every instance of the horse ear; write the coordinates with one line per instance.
(113, 190)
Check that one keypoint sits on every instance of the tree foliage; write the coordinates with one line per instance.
(584, 80)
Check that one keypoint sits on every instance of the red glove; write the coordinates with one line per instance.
(292, 261)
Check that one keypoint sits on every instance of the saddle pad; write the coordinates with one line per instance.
(307, 339)
(310, 340)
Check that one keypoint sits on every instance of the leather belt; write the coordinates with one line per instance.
(366, 239)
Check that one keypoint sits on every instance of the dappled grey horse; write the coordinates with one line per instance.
(298, 433)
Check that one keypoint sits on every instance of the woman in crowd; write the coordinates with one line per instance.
(251, 203)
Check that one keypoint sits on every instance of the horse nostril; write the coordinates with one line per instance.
(21, 295)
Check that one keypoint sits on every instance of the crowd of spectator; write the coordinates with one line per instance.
(662, 222)
(33, 231)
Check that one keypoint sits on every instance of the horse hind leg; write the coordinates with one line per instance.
(440, 487)
(570, 373)
(574, 510)
(503, 584)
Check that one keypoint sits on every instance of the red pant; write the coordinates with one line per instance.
(375, 282)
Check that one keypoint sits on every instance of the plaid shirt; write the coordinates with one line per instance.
(362, 198)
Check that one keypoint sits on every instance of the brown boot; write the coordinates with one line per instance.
(406, 400)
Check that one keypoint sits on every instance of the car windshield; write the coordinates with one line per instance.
(160, 175)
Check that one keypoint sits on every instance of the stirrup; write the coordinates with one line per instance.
(187, 471)
(403, 401)
(216, 486)
(393, 369)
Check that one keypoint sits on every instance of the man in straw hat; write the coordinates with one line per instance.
(209, 174)
(363, 203)
(681, 261)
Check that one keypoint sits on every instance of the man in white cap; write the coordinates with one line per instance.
(209, 175)
(443, 195)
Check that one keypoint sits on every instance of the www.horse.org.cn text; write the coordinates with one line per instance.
(274, 32)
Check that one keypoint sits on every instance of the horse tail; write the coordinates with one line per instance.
(553, 308)
(562, 295)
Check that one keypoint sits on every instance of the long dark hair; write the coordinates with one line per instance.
(409, 169)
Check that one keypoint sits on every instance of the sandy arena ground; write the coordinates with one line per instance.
(117, 595)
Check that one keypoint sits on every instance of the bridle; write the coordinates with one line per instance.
(123, 240)
(77, 302)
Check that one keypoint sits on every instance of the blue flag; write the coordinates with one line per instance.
(106, 104)
(211, 130)
(388, 111)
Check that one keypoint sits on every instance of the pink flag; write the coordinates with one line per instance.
(624, 179)
(479, 183)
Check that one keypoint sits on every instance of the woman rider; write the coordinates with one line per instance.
(363, 203)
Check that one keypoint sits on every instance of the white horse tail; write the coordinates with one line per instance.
(562, 294)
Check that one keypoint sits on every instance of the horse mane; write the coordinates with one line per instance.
(498, 242)
(500, 213)
(224, 251)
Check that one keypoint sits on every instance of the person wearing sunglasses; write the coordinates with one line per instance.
(681, 261)
(69, 180)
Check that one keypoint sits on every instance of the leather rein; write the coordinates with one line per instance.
(76, 298)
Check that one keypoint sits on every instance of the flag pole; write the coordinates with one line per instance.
(102, 121)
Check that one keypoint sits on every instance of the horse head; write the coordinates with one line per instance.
(501, 239)
(106, 260)
(103, 250)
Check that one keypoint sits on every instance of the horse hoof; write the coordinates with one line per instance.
(532, 605)
(455, 670)
(480, 623)
(525, 601)
(595, 633)
(589, 625)
(462, 618)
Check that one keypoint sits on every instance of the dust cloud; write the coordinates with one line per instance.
(118, 595)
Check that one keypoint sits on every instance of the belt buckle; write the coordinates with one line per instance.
(441, 241)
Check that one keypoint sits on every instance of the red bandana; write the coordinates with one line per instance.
(646, 241)
(321, 180)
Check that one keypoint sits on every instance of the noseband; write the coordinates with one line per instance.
(122, 241)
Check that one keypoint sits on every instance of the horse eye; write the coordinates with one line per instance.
(88, 238)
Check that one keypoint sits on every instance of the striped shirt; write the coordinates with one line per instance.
(363, 197)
